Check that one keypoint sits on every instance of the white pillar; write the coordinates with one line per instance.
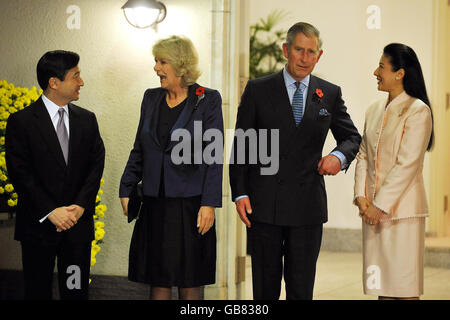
(225, 78)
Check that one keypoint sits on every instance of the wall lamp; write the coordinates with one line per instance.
(144, 13)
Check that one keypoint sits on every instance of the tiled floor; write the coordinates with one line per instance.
(338, 277)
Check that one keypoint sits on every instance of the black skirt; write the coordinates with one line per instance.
(166, 249)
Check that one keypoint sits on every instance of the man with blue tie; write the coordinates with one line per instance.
(285, 212)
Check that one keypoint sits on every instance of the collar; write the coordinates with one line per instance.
(402, 97)
(289, 81)
(53, 108)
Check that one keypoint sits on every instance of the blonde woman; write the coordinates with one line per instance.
(389, 187)
(174, 240)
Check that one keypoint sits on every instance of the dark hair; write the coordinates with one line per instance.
(403, 57)
(55, 64)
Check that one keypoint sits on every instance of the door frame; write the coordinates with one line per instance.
(439, 222)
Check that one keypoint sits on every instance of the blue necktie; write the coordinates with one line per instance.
(297, 104)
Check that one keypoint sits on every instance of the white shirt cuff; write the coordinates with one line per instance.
(43, 219)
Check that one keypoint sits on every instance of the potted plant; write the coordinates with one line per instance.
(266, 55)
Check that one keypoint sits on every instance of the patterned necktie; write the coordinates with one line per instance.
(297, 104)
(63, 136)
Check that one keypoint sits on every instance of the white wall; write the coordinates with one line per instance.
(117, 66)
(351, 54)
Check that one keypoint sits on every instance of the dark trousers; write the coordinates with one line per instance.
(38, 261)
(298, 246)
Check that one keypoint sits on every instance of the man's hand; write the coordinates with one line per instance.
(77, 210)
(244, 207)
(329, 165)
(62, 218)
(372, 215)
(124, 202)
(205, 219)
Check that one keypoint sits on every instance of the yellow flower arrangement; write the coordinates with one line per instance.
(99, 224)
(13, 99)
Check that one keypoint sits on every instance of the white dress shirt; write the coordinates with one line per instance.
(289, 82)
(52, 109)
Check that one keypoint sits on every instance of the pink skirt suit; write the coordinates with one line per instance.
(389, 174)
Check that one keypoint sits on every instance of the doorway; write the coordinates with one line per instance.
(438, 230)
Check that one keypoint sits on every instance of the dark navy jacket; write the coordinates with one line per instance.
(148, 158)
(295, 195)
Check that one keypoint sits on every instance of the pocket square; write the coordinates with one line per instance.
(323, 113)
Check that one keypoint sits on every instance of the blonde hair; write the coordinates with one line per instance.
(181, 54)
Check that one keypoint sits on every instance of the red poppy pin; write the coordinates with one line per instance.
(318, 95)
(200, 92)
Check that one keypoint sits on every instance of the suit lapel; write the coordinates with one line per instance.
(280, 100)
(153, 115)
(47, 130)
(185, 114)
(310, 106)
(76, 128)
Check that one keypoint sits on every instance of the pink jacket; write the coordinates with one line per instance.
(390, 159)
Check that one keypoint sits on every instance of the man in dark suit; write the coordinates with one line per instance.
(55, 158)
(285, 211)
